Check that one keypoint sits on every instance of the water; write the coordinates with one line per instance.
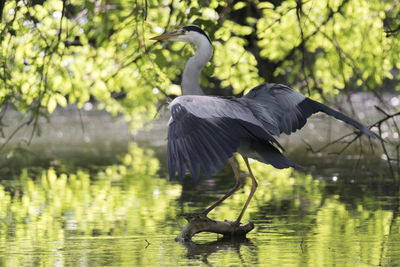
(339, 211)
(126, 215)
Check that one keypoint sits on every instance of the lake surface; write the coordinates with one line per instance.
(110, 204)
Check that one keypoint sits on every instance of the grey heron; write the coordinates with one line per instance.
(205, 131)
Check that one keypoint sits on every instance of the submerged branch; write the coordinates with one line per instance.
(199, 224)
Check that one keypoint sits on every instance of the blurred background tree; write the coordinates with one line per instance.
(60, 52)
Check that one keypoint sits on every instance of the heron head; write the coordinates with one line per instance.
(190, 33)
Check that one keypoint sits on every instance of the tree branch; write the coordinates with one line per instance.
(306, 38)
(198, 224)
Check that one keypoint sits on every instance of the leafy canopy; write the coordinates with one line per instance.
(55, 52)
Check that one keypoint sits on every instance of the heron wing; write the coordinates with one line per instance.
(282, 109)
(205, 131)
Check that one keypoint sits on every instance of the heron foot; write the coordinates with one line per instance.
(235, 223)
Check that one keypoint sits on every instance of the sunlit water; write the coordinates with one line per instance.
(341, 210)
(127, 215)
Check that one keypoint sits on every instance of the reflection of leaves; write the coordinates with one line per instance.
(126, 202)
(91, 203)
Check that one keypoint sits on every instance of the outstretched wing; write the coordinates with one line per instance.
(205, 131)
(282, 109)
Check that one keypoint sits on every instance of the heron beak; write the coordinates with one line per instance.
(166, 36)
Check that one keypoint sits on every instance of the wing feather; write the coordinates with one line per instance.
(172, 162)
(188, 156)
(218, 153)
(202, 157)
(284, 110)
(205, 138)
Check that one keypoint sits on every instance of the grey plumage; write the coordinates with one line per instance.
(288, 109)
(208, 141)
(205, 131)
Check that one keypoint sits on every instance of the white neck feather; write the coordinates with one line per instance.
(191, 74)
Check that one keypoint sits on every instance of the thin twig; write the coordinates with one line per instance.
(145, 9)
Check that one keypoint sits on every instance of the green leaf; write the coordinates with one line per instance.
(239, 5)
(61, 100)
(51, 104)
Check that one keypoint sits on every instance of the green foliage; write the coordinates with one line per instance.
(324, 48)
(333, 46)
(57, 53)
(54, 52)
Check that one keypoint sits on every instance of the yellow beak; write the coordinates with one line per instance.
(166, 36)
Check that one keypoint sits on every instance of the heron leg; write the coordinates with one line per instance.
(253, 189)
(238, 185)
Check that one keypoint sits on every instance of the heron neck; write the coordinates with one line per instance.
(191, 74)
